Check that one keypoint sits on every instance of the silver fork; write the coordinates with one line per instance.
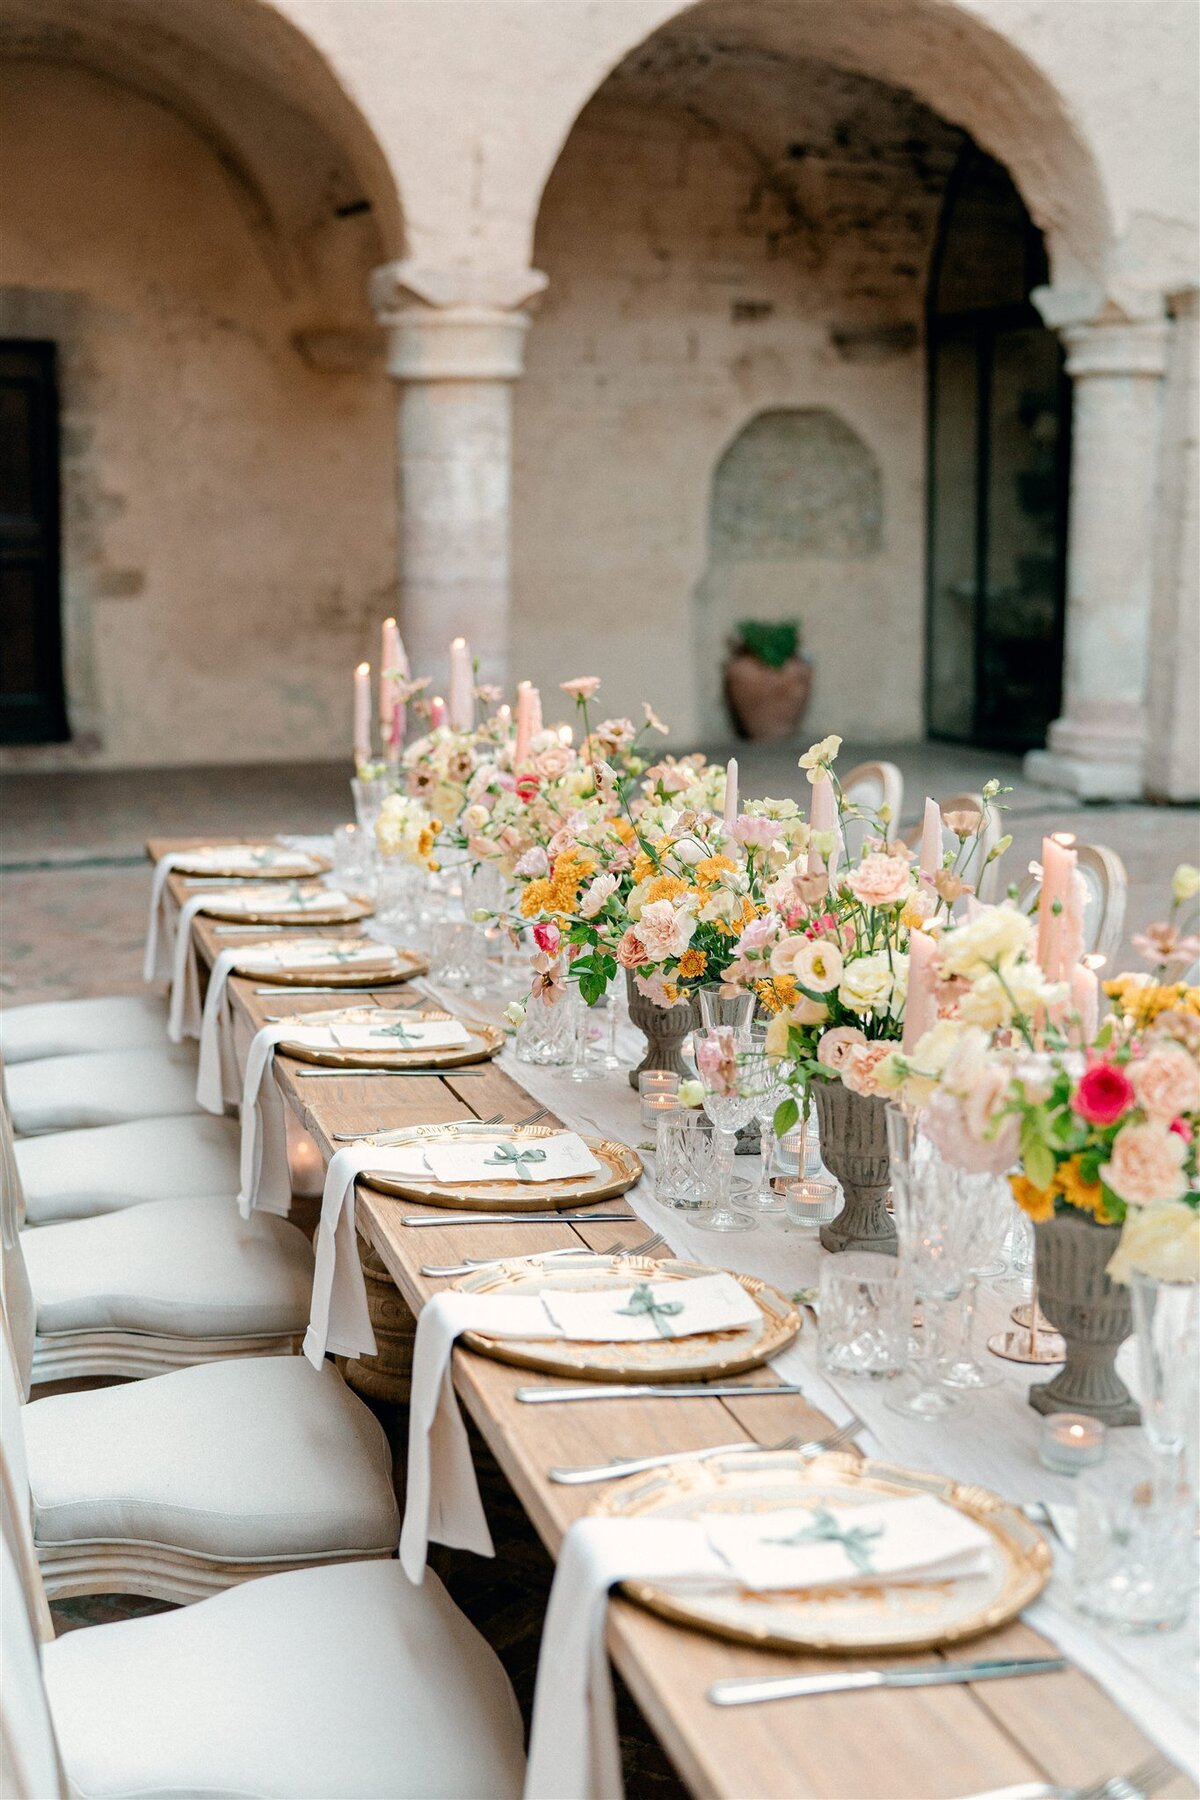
(356, 1137)
(1138, 1784)
(621, 1466)
(471, 1263)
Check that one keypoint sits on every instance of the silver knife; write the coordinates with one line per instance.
(668, 1390)
(746, 1691)
(416, 1220)
(430, 1074)
(282, 991)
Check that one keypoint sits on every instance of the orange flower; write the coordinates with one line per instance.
(1037, 1202)
(643, 867)
(537, 898)
(777, 994)
(665, 887)
(1088, 1196)
(692, 963)
(710, 869)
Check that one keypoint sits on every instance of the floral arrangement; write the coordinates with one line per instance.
(406, 828)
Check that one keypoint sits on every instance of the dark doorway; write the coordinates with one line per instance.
(999, 423)
(32, 702)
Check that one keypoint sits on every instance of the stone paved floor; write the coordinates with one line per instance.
(73, 879)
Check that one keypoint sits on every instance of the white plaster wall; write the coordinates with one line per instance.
(229, 512)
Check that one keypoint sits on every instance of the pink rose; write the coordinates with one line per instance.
(880, 880)
(1166, 1083)
(548, 938)
(1146, 1165)
(858, 1068)
(1103, 1094)
(554, 761)
(631, 952)
(836, 1045)
(949, 1123)
(755, 833)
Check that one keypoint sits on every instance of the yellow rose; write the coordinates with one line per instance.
(1162, 1242)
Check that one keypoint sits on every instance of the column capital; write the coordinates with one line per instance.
(1118, 328)
(454, 324)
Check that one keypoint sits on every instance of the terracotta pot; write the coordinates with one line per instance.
(769, 704)
(664, 1028)
(854, 1145)
(1094, 1315)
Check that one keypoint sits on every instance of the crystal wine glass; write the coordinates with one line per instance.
(764, 1078)
(990, 1200)
(936, 1228)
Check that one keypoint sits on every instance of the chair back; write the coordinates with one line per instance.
(30, 1768)
(1103, 875)
(871, 785)
(15, 1291)
(16, 1504)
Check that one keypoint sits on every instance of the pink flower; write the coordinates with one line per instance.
(1103, 1094)
(858, 1068)
(716, 1060)
(1166, 1083)
(547, 983)
(836, 1045)
(957, 1135)
(596, 894)
(755, 833)
(664, 931)
(1182, 1129)
(880, 880)
(1146, 1165)
(653, 987)
(631, 952)
(584, 687)
(548, 938)
(756, 936)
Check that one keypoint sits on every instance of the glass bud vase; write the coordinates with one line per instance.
(546, 1034)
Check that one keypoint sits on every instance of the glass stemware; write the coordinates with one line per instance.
(732, 1012)
(1166, 1323)
(767, 1086)
(729, 1103)
(990, 1201)
(936, 1228)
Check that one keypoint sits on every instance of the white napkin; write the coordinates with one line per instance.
(160, 940)
(242, 856)
(316, 953)
(443, 1497)
(564, 1154)
(379, 1033)
(623, 1315)
(217, 1083)
(276, 898)
(183, 1014)
(573, 1748)
(266, 1182)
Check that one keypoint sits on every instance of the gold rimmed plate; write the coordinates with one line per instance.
(855, 1620)
(483, 1041)
(264, 862)
(620, 1168)
(340, 912)
(703, 1356)
(394, 966)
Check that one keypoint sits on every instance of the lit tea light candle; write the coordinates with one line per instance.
(659, 1091)
(654, 1105)
(810, 1204)
(1071, 1442)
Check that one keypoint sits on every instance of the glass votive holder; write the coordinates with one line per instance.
(811, 1204)
(1134, 1548)
(659, 1091)
(1071, 1442)
(864, 1316)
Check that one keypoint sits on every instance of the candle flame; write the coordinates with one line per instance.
(1065, 838)
(458, 644)
(388, 622)
(363, 669)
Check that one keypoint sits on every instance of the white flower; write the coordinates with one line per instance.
(664, 931)
(929, 1058)
(993, 1001)
(875, 984)
(595, 894)
(1160, 1241)
(815, 963)
(996, 934)
(1185, 883)
(818, 757)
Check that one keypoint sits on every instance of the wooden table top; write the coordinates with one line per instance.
(886, 1745)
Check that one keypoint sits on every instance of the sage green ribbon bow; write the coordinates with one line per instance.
(642, 1301)
(264, 859)
(824, 1529)
(399, 1031)
(509, 1153)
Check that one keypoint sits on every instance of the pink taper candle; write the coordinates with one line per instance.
(822, 816)
(920, 1006)
(462, 686)
(362, 713)
(1085, 1001)
(524, 721)
(1057, 895)
(437, 712)
(392, 667)
(731, 792)
(931, 839)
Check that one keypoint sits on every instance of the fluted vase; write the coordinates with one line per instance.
(665, 1029)
(1092, 1313)
(854, 1147)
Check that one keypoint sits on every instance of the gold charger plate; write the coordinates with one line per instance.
(346, 912)
(483, 1041)
(852, 1621)
(621, 1168)
(303, 865)
(405, 964)
(704, 1356)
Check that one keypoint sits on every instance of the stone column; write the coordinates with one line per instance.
(456, 345)
(1116, 356)
(1173, 752)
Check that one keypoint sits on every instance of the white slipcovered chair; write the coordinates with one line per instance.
(78, 1174)
(154, 1287)
(101, 1087)
(73, 1027)
(871, 785)
(344, 1681)
(1107, 883)
(184, 1484)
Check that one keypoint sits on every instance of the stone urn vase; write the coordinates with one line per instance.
(1094, 1315)
(665, 1029)
(767, 704)
(854, 1145)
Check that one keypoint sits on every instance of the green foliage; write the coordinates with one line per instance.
(773, 642)
(786, 1115)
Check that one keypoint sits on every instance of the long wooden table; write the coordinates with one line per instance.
(916, 1745)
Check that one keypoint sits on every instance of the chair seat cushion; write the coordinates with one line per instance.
(346, 1682)
(68, 1027)
(106, 1087)
(76, 1174)
(263, 1457)
(186, 1268)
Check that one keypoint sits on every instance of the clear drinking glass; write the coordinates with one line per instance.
(546, 1035)
(733, 1010)
(369, 797)
(765, 1079)
(587, 1064)
(351, 858)
(397, 898)
(936, 1227)
(1134, 1537)
(455, 953)
(686, 1159)
(1166, 1323)
(865, 1312)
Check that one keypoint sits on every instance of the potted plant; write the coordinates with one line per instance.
(767, 679)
